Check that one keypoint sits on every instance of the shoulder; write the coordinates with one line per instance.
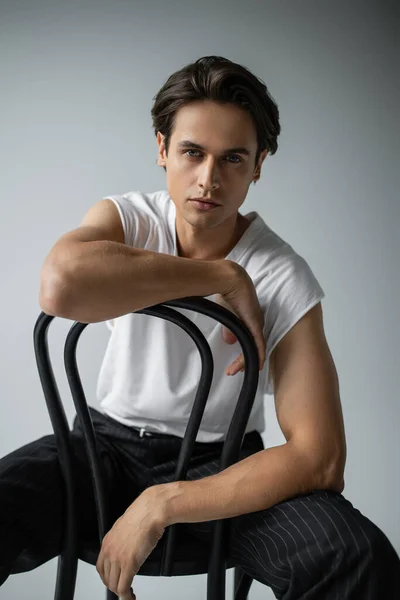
(151, 203)
(145, 217)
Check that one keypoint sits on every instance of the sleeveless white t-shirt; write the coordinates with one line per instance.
(151, 368)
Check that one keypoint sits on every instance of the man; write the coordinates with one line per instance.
(292, 529)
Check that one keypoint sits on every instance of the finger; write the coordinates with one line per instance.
(100, 566)
(236, 365)
(114, 577)
(125, 583)
(107, 570)
(239, 364)
(258, 337)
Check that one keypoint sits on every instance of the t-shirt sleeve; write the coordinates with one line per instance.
(136, 216)
(294, 291)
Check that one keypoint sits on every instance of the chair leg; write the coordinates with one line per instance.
(67, 568)
(110, 595)
(242, 584)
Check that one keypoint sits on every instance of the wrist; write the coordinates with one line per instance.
(227, 275)
(162, 501)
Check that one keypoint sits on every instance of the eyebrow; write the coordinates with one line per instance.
(237, 150)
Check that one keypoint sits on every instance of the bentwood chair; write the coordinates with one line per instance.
(174, 555)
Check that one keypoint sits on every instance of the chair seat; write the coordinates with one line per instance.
(191, 557)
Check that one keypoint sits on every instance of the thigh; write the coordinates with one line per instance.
(32, 499)
(317, 545)
(123, 465)
(296, 546)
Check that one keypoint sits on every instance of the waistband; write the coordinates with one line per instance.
(251, 437)
(143, 432)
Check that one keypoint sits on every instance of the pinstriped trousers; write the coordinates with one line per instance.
(314, 546)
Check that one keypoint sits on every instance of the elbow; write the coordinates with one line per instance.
(332, 477)
(54, 293)
(325, 469)
(333, 481)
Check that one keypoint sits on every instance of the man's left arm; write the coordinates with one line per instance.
(309, 412)
(308, 408)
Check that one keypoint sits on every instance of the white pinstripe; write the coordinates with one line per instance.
(277, 550)
(327, 537)
(288, 561)
(295, 526)
(259, 538)
(288, 532)
(316, 541)
(305, 523)
(355, 540)
(341, 539)
(261, 562)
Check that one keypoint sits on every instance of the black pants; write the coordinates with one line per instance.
(312, 547)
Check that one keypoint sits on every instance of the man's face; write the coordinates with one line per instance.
(212, 155)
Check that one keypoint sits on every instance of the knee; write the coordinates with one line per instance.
(368, 561)
(382, 556)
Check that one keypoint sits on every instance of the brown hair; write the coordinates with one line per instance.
(221, 80)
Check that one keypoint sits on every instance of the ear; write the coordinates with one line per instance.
(161, 158)
(257, 171)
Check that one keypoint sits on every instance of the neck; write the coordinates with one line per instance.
(210, 244)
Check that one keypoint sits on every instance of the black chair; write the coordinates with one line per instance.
(174, 555)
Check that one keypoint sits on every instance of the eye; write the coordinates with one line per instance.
(197, 154)
(236, 156)
(191, 156)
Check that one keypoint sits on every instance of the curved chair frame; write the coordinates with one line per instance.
(218, 561)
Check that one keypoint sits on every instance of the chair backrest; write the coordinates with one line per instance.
(231, 447)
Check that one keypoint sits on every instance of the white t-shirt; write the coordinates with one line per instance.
(151, 368)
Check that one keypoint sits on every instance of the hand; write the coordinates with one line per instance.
(129, 542)
(240, 297)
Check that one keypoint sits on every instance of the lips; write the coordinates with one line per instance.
(206, 201)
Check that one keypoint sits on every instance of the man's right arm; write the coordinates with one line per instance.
(91, 275)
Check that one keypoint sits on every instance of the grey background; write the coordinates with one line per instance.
(77, 82)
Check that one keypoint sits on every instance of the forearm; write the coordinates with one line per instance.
(102, 280)
(255, 483)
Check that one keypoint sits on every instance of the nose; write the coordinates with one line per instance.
(208, 177)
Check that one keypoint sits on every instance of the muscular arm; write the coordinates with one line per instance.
(90, 279)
